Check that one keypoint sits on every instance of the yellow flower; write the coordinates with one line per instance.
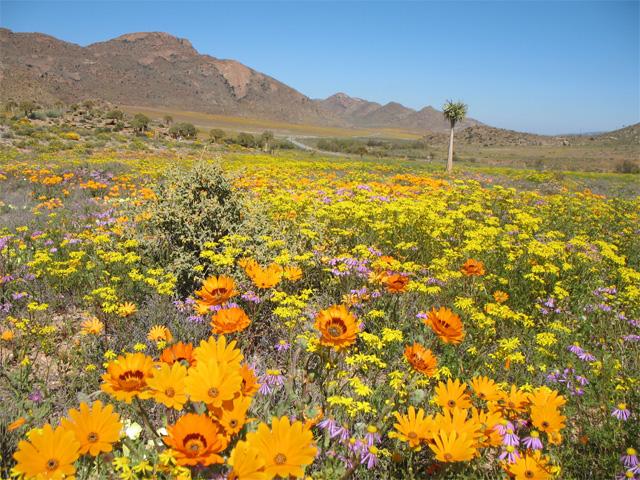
(167, 385)
(127, 309)
(159, 333)
(287, 448)
(96, 428)
(47, 454)
(92, 326)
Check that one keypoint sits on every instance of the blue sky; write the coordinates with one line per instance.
(547, 67)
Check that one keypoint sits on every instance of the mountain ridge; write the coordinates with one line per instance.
(157, 69)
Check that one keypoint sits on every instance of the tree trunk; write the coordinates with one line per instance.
(450, 159)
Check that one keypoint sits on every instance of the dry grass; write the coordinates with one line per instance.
(254, 125)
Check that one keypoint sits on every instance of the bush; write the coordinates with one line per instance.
(246, 140)
(115, 115)
(628, 166)
(54, 113)
(184, 130)
(193, 206)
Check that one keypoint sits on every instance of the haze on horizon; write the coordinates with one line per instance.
(543, 67)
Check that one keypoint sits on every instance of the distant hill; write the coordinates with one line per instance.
(155, 69)
(362, 113)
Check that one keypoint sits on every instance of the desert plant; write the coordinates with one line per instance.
(167, 119)
(265, 139)
(193, 206)
(140, 122)
(453, 112)
(115, 114)
(184, 130)
(216, 135)
(246, 140)
(628, 166)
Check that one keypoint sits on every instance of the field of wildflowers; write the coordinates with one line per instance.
(258, 317)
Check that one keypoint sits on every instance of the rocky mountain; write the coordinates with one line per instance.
(155, 69)
(362, 113)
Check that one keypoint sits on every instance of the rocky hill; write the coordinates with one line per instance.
(155, 69)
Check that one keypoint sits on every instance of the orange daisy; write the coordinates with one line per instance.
(421, 359)
(446, 324)
(249, 385)
(396, 283)
(195, 440)
(338, 328)
(215, 291)
(126, 377)
(473, 268)
(229, 320)
(178, 352)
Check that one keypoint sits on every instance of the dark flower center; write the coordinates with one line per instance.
(336, 327)
(131, 379)
(451, 403)
(213, 392)
(529, 474)
(194, 442)
(412, 435)
(52, 464)
(280, 459)
(92, 437)
(233, 423)
(170, 392)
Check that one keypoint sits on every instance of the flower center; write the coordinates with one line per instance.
(336, 327)
(528, 474)
(52, 464)
(545, 424)
(451, 403)
(280, 459)
(92, 437)
(170, 392)
(194, 442)
(213, 392)
(448, 457)
(131, 379)
(412, 435)
(233, 423)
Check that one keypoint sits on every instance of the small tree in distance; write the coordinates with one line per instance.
(453, 112)
(266, 138)
(216, 135)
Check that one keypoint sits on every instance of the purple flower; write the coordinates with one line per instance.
(271, 379)
(510, 454)
(510, 438)
(630, 458)
(532, 442)
(621, 412)
(251, 297)
(327, 424)
(370, 459)
(631, 338)
(36, 396)
(282, 346)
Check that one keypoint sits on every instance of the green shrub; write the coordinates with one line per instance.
(193, 206)
(184, 130)
(628, 166)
